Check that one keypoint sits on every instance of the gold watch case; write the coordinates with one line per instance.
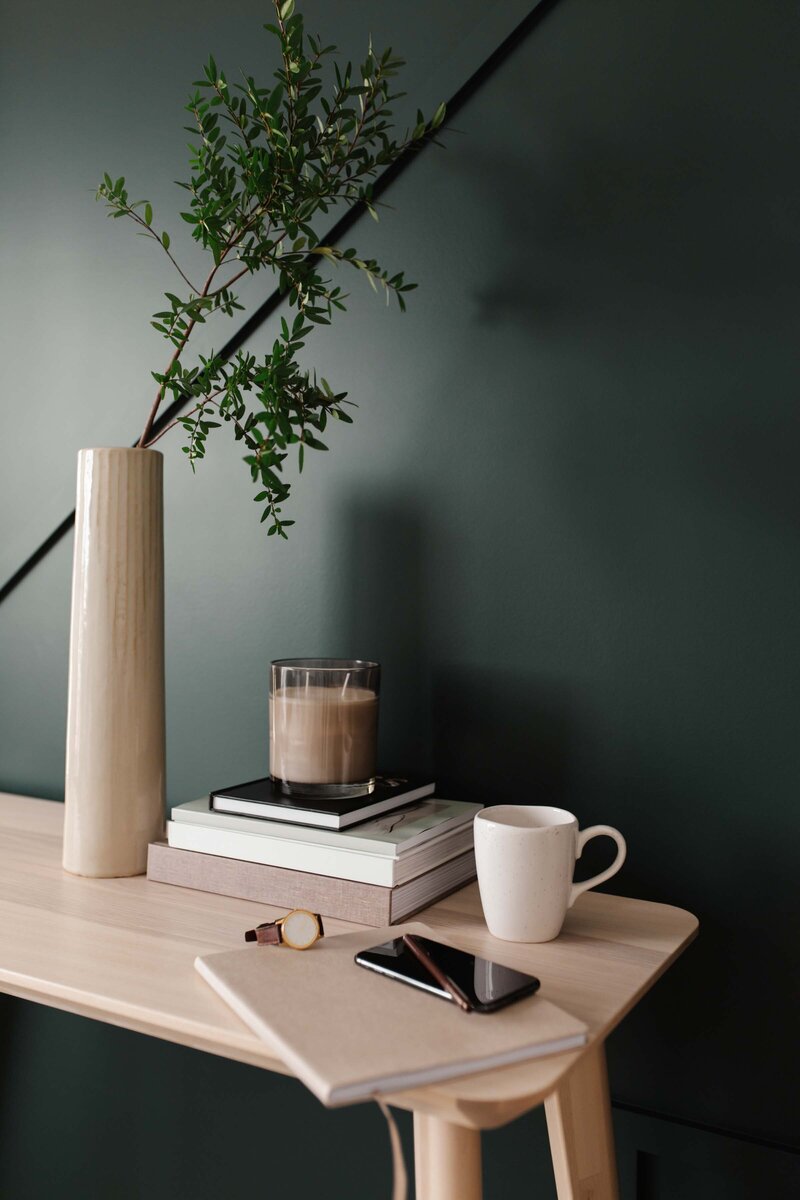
(292, 929)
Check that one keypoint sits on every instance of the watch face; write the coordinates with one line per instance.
(300, 929)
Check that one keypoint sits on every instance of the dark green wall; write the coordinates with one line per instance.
(565, 521)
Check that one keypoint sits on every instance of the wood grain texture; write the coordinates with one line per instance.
(447, 1160)
(115, 766)
(581, 1133)
(122, 951)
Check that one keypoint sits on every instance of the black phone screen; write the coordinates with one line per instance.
(487, 985)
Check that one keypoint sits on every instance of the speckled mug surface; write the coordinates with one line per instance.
(526, 856)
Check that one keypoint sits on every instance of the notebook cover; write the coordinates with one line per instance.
(390, 791)
(350, 1034)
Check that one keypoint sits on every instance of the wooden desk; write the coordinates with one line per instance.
(122, 951)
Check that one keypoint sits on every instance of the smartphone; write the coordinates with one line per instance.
(487, 985)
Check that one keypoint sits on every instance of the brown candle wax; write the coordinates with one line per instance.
(323, 734)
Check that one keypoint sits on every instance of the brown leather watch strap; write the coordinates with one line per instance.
(268, 934)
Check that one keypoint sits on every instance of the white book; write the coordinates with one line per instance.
(389, 835)
(299, 855)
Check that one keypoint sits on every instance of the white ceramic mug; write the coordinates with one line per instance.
(526, 858)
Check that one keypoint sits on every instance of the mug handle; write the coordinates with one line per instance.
(583, 838)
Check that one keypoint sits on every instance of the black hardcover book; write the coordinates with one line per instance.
(263, 798)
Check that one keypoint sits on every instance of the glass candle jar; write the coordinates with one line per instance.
(323, 726)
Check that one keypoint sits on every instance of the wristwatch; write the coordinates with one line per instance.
(299, 929)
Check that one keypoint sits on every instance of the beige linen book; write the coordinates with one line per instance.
(363, 903)
(350, 1034)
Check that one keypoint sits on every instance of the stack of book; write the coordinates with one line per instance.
(375, 859)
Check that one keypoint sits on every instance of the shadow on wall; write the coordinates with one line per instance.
(380, 608)
(626, 250)
(501, 736)
(505, 737)
(488, 734)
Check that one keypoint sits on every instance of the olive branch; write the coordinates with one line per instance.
(265, 163)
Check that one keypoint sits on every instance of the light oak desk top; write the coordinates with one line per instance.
(122, 951)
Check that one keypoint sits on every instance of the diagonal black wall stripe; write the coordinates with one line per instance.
(273, 301)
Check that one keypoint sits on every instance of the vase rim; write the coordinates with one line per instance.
(119, 450)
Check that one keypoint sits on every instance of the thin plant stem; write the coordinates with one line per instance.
(266, 162)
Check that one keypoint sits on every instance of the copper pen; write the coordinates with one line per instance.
(437, 973)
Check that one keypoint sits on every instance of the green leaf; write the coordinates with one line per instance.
(273, 104)
(314, 443)
(259, 186)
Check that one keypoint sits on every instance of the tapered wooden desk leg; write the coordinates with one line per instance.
(447, 1160)
(581, 1134)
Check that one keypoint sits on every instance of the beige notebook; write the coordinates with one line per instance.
(350, 1034)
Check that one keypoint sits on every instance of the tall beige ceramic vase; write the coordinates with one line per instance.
(114, 788)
